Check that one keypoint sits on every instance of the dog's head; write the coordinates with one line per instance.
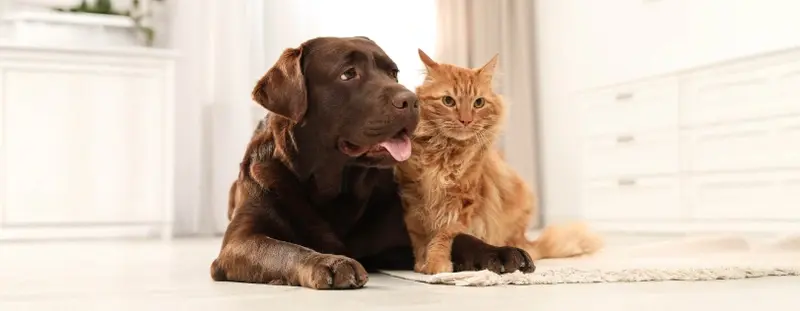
(345, 91)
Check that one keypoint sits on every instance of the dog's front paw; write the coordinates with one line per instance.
(472, 254)
(324, 271)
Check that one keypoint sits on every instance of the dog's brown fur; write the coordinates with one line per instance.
(456, 182)
(303, 211)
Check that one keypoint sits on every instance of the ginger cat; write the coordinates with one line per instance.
(457, 184)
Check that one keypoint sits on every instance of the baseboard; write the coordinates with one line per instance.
(649, 227)
(85, 232)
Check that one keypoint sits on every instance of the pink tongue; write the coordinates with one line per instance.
(399, 148)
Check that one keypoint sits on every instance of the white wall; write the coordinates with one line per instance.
(409, 25)
(586, 43)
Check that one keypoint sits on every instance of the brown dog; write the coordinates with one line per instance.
(316, 189)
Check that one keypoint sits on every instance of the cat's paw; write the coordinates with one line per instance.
(472, 254)
(434, 266)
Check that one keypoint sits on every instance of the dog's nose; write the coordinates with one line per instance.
(404, 100)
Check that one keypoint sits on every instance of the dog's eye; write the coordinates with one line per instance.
(349, 74)
(394, 73)
(479, 103)
(448, 101)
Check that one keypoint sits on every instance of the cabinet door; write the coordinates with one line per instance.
(729, 93)
(767, 195)
(654, 198)
(631, 108)
(644, 153)
(764, 144)
(82, 144)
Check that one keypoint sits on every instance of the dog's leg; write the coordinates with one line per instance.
(470, 253)
(250, 255)
(318, 233)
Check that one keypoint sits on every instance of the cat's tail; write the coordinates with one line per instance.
(561, 241)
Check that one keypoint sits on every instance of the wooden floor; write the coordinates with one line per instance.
(154, 275)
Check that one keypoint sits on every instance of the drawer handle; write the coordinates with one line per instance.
(624, 96)
(622, 139)
(626, 182)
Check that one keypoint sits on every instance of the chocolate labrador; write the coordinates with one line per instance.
(315, 201)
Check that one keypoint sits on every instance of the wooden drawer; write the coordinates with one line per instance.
(743, 146)
(745, 91)
(630, 108)
(727, 96)
(644, 153)
(786, 86)
(645, 198)
(745, 196)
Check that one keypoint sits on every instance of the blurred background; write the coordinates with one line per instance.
(127, 119)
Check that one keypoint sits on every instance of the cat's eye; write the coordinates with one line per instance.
(349, 74)
(448, 101)
(478, 103)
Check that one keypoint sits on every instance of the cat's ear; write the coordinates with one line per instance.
(488, 69)
(427, 60)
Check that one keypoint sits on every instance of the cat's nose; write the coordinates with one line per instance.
(465, 117)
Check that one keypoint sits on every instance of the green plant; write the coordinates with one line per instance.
(137, 15)
(99, 7)
(106, 7)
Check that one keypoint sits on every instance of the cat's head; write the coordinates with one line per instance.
(459, 102)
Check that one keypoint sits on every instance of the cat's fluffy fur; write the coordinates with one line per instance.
(457, 182)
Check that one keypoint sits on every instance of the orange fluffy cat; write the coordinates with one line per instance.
(457, 184)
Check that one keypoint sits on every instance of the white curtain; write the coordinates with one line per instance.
(238, 58)
(470, 32)
(221, 47)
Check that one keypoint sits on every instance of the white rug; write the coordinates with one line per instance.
(689, 259)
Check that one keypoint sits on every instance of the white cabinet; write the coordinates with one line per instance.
(750, 89)
(748, 145)
(722, 79)
(633, 199)
(620, 155)
(749, 196)
(717, 148)
(86, 143)
(630, 108)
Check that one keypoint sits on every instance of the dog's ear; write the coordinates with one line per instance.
(282, 90)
